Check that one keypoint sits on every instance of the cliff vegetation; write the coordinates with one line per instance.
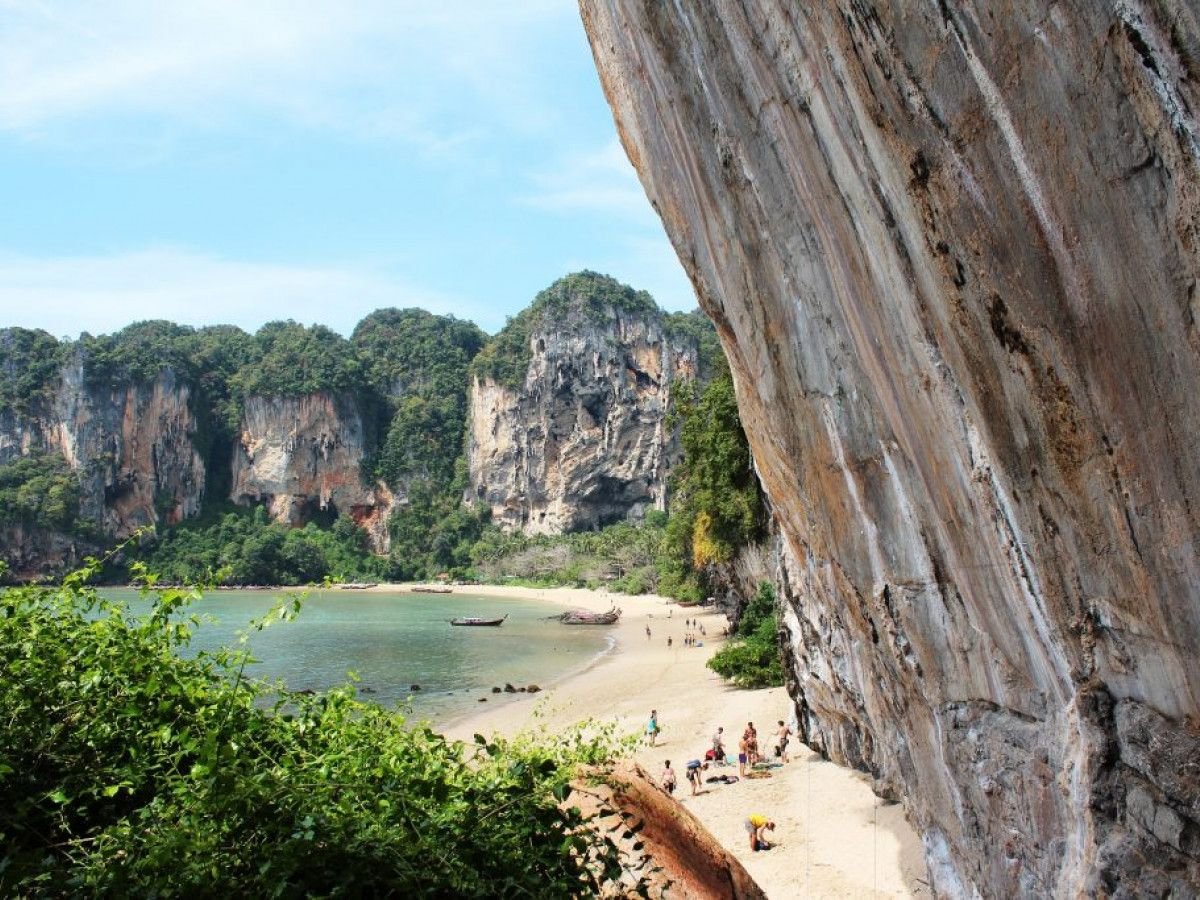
(30, 361)
(505, 359)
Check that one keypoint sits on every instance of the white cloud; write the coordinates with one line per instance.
(381, 67)
(599, 181)
(101, 294)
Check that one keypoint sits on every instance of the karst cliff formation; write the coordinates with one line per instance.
(577, 438)
(130, 447)
(564, 421)
(302, 456)
(950, 250)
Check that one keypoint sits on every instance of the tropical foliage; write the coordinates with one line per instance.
(39, 490)
(242, 547)
(296, 360)
(131, 767)
(419, 362)
(30, 362)
(717, 504)
(751, 659)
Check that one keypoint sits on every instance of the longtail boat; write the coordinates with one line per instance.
(585, 617)
(476, 620)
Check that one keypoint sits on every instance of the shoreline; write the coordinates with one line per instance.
(834, 836)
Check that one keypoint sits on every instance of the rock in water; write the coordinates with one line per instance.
(951, 255)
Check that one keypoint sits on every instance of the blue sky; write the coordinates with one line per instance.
(224, 161)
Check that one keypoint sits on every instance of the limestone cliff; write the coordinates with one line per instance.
(950, 250)
(131, 445)
(580, 439)
(302, 456)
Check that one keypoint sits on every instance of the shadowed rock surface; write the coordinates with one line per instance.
(950, 250)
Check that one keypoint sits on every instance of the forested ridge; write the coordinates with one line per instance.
(407, 374)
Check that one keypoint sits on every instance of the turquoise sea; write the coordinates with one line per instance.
(394, 640)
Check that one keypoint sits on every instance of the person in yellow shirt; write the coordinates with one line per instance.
(755, 826)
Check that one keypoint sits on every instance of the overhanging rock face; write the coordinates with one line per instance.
(951, 252)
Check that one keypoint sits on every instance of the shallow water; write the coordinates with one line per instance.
(394, 640)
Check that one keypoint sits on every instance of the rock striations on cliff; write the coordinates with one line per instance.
(131, 447)
(567, 409)
(302, 457)
(951, 252)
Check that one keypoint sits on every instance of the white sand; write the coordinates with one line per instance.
(834, 837)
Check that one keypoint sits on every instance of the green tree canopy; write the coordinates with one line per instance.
(297, 360)
(132, 768)
(411, 351)
(30, 362)
(40, 490)
(137, 353)
(419, 361)
(596, 297)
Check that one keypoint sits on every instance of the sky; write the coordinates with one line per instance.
(222, 161)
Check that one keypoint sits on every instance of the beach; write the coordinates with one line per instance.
(834, 837)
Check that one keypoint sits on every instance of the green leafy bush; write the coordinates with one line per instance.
(130, 770)
(752, 659)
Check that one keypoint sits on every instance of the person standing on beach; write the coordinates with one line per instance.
(718, 745)
(750, 736)
(742, 745)
(652, 727)
(668, 778)
(756, 824)
(693, 776)
(783, 734)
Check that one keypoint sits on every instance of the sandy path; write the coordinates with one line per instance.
(834, 837)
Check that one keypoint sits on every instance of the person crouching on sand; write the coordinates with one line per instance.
(755, 826)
